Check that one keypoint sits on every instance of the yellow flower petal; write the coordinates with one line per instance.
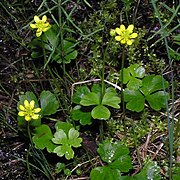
(44, 18)
(130, 28)
(21, 107)
(33, 26)
(123, 41)
(26, 104)
(118, 31)
(35, 116)
(21, 113)
(31, 105)
(38, 33)
(37, 110)
(133, 35)
(122, 27)
(36, 19)
(129, 42)
(45, 29)
(118, 38)
(27, 118)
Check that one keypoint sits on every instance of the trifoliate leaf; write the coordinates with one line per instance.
(100, 112)
(49, 103)
(66, 142)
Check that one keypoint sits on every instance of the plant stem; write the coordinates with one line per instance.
(101, 128)
(122, 91)
(27, 157)
(103, 69)
(170, 122)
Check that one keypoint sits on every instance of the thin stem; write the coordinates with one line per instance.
(122, 91)
(122, 79)
(103, 69)
(101, 128)
(27, 157)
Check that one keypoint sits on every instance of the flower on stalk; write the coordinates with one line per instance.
(125, 36)
(28, 110)
(40, 25)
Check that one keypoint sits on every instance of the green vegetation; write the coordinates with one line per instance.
(90, 89)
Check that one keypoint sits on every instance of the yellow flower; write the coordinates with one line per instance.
(28, 110)
(125, 36)
(40, 25)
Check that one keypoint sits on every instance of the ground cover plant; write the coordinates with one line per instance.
(89, 89)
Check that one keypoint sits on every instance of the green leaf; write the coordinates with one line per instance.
(110, 152)
(150, 171)
(81, 91)
(105, 173)
(52, 36)
(90, 99)
(65, 126)
(83, 117)
(73, 138)
(42, 138)
(70, 56)
(59, 167)
(110, 99)
(116, 155)
(96, 88)
(64, 150)
(152, 83)
(135, 100)
(123, 163)
(49, 103)
(137, 71)
(157, 100)
(131, 76)
(134, 83)
(60, 137)
(27, 96)
(100, 112)
(68, 51)
(126, 75)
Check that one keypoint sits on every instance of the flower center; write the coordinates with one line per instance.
(126, 34)
(29, 111)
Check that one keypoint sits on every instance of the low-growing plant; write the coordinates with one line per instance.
(116, 155)
(86, 98)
